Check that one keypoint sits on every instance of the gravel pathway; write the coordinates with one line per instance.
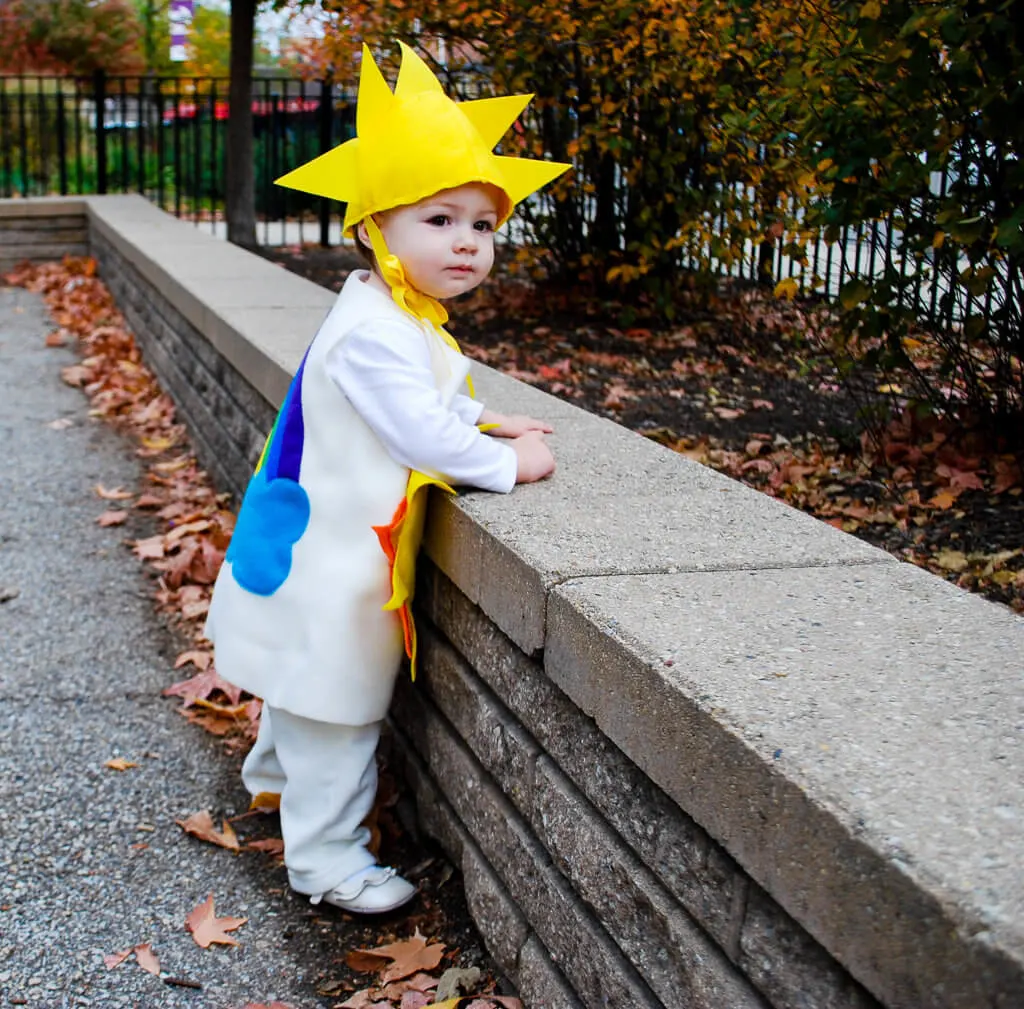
(91, 861)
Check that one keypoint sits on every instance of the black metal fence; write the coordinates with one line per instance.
(165, 137)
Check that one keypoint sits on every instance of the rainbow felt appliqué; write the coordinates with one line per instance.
(275, 509)
(400, 541)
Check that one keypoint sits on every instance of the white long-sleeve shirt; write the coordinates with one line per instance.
(386, 371)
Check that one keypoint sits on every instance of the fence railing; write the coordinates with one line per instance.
(165, 137)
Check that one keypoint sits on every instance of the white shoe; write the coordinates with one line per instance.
(374, 891)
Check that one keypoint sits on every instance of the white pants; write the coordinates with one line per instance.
(326, 776)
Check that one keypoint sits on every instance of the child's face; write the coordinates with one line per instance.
(445, 242)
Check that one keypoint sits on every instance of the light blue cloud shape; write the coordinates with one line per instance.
(273, 517)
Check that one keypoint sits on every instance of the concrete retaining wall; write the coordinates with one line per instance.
(38, 230)
(688, 746)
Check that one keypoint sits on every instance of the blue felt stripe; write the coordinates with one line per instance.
(285, 456)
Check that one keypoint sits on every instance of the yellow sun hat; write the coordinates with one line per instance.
(416, 142)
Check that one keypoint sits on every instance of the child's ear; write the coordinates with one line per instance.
(362, 234)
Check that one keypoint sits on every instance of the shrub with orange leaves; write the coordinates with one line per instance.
(70, 36)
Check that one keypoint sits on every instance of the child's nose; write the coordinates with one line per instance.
(466, 239)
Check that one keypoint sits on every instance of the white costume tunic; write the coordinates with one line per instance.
(296, 616)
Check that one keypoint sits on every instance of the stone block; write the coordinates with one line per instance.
(590, 960)
(495, 738)
(496, 914)
(433, 812)
(680, 963)
(542, 985)
(785, 963)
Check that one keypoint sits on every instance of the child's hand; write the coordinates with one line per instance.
(534, 458)
(500, 426)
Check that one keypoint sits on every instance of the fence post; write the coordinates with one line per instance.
(62, 145)
(325, 116)
(99, 91)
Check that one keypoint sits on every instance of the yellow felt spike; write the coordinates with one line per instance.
(417, 142)
(414, 76)
(523, 177)
(493, 116)
(334, 174)
(374, 99)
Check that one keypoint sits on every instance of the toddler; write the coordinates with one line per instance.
(312, 608)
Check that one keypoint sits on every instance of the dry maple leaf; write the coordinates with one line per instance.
(273, 846)
(119, 764)
(200, 659)
(365, 999)
(150, 501)
(207, 929)
(144, 957)
(111, 960)
(112, 518)
(408, 956)
(147, 959)
(201, 825)
(420, 982)
(200, 686)
(112, 493)
(151, 548)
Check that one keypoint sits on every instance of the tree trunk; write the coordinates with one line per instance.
(241, 186)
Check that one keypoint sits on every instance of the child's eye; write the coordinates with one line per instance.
(439, 220)
(484, 226)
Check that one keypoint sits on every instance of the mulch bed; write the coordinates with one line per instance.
(747, 384)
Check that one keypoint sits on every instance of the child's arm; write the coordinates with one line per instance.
(383, 369)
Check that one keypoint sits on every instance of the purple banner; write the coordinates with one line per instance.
(180, 14)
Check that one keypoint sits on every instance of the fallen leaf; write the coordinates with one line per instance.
(727, 413)
(61, 423)
(111, 960)
(943, 500)
(119, 764)
(207, 929)
(270, 846)
(415, 1000)
(151, 548)
(112, 518)
(267, 1005)
(951, 560)
(408, 956)
(8, 593)
(144, 956)
(76, 375)
(112, 494)
(364, 999)
(265, 802)
(363, 960)
(56, 339)
(150, 501)
(200, 686)
(457, 980)
(201, 825)
(147, 959)
(418, 982)
(200, 659)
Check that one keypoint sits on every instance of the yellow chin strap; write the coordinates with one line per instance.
(412, 301)
(400, 539)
